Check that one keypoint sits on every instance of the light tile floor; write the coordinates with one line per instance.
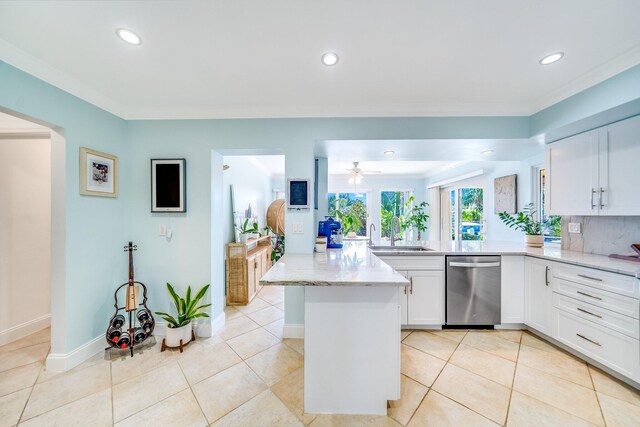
(248, 375)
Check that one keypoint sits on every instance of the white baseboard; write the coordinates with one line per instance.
(516, 326)
(293, 331)
(61, 362)
(24, 329)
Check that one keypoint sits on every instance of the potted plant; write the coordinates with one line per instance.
(526, 222)
(180, 327)
(416, 217)
(247, 230)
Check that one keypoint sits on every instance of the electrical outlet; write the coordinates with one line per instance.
(297, 228)
(574, 227)
(163, 230)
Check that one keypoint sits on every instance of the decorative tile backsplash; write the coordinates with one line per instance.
(601, 235)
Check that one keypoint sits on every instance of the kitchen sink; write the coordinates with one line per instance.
(395, 249)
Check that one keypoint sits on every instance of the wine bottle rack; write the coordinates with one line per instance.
(130, 328)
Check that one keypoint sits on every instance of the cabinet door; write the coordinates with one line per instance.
(619, 171)
(425, 305)
(512, 289)
(538, 294)
(404, 294)
(572, 166)
(251, 276)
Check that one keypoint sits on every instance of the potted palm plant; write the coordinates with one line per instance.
(416, 217)
(180, 328)
(526, 222)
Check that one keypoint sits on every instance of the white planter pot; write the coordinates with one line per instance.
(243, 237)
(174, 335)
(534, 241)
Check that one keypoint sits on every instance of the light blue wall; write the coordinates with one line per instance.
(98, 227)
(95, 226)
(589, 107)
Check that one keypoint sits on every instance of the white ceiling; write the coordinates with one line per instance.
(257, 58)
(433, 150)
(394, 168)
(271, 165)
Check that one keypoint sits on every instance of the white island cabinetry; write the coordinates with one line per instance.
(423, 301)
(538, 295)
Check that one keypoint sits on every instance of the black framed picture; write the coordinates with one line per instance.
(298, 194)
(168, 185)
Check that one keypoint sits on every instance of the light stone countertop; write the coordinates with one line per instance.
(549, 252)
(354, 265)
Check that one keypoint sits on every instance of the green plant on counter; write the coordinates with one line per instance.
(247, 229)
(187, 308)
(524, 220)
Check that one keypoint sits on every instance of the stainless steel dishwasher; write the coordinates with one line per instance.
(473, 290)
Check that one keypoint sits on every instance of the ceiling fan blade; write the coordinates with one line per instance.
(371, 172)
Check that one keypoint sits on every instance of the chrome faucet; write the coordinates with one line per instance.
(395, 225)
(371, 234)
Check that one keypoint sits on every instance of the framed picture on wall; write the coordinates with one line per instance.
(298, 193)
(168, 185)
(98, 173)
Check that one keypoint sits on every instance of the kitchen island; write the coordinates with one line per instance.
(352, 328)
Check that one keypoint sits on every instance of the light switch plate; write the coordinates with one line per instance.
(163, 230)
(574, 227)
(297, 228)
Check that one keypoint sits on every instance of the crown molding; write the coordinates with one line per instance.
(38, 68)
(623, 62)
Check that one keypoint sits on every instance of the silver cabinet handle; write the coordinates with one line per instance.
(600, 197)
(411, 285)
(589, 277)
(590, 296)
(591, 341)
(593, 191)
(474, 264)
(546, 275)
(588, 312)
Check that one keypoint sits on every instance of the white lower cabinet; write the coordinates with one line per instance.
(512, 289)
(426, 298)
(423, 302)
(613, 349)
(538, 295)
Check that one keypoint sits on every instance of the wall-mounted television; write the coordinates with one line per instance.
(168, 190)
(298, 193)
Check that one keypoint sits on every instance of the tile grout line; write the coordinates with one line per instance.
(513, 381)
(31, 391)
(194, 394)
(597, 397)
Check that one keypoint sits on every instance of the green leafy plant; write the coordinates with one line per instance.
(416, 217)
(524, 220)
(278, 248)
(187, 308)
(246, 228)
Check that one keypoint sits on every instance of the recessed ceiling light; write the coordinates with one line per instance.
(486, 152)
(129, 36)
(550, 59)
(389, 152)
(330, 58)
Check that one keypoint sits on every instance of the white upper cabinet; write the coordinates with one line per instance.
(595, 172)
(620, 168)
(572, 164)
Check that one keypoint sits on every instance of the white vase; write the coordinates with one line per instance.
(174, 335)
(243, 237)
(534, 241)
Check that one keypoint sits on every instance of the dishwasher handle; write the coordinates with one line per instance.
(474, 264)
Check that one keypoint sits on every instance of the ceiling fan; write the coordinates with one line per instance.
(357, 173)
